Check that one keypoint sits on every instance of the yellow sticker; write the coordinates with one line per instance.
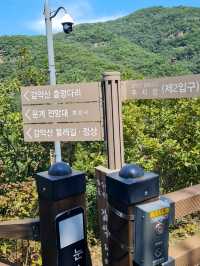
(158, 213)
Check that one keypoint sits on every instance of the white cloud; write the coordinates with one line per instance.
(38, 25)
(81, 11)
(101, 19)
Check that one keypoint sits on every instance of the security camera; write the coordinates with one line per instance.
(67, 23)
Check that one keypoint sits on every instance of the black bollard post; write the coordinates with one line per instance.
(125, 190)
(62, 216)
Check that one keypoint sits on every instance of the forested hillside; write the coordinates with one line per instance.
(150, 42)
(163, 136)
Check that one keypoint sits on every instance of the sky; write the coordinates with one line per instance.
(25, 17)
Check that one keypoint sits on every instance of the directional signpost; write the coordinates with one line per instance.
(66, 93)
(90, 131)
(73, 112)
(70, 112)
(163, 88)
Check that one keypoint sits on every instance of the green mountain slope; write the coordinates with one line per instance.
(148, 43)
(173, 32)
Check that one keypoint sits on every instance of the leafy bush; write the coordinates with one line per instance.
(163, 136)
(14, 198)
(18, 160)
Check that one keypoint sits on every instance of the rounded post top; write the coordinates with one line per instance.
(111, 75)
(131, 171)
(60, 169)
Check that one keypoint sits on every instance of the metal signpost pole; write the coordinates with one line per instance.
(51, 60)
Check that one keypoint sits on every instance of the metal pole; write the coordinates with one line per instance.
(51, 60)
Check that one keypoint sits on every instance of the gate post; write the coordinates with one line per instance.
(62, 216)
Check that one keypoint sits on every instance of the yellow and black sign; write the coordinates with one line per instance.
(158, 213)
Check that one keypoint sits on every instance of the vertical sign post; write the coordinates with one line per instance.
(113, 119)
(113, 132)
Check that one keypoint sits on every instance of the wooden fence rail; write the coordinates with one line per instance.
(186, 252)
(183, 202)
(27, 229)
(5, 264)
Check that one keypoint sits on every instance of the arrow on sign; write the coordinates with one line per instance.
(26, 97)
(27, 116)
(28, 131)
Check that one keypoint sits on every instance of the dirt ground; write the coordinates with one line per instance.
(96, 255)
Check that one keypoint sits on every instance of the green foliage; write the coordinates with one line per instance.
(18, 160)
(186, 227)
(27, 72)
(14, 198)
(17, 201)
(88, 156)
(91, 207)
(163, 136)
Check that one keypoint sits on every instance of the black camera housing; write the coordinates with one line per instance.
(67, 27)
